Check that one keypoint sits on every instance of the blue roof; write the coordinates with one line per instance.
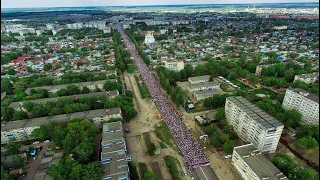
(280, 58)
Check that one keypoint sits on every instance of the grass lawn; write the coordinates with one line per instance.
(163, 133)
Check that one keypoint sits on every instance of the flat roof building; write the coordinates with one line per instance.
(114, 152)
(252, 164)
(200, 95)
(307, 78)
(92, 85)
(21, 130)
(198, 79)
(307, 104)
(253, 124)
(202, 86)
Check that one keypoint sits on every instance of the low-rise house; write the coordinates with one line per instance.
(174, 65)
(307, 78)
(92, 85)
(21, 130)
(198, 79)
(200, 95)
(202, 86)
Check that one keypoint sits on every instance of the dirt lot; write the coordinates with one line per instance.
(144, 123)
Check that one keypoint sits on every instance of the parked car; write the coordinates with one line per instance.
(37, 142)
(34, 158)
(46, 141)
(228, 156)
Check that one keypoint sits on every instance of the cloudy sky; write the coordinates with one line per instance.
(72, 3)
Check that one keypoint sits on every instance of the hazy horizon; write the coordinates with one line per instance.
(5, 4)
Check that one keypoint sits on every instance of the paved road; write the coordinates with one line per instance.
(205, 173)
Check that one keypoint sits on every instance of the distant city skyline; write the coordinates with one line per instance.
(79, 3)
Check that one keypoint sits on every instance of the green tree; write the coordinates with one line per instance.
(93, 171)
(40, 132)
(228, 146)
(72, 90)
(84, 152)
(215, 140)
(253, 79)
(220, 114)
(289, 75)
(12, 148)
(59, 133)
(302, 173)
(307, 142)
(189, 70)
(47, 67)
(19, 115)
(293, 118)
(129, 113)
(109, 86)
(85, 90)
(6, 86)
(11, 71)
(149, 176)
(283, 162)
(18, 161)
(4, 174)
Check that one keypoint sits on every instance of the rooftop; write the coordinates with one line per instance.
(199, 78)
(310, 75)
(114, 151)
(255, 113)
(203, 84)
(262, 167)
(306, 94)
(62, 118)
(44, 100)
(80, 84)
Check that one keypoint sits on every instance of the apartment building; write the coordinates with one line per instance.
(307, 104)
(21, 130)
(253, 124)
(307, 78)
(19, 105)
(92, 85)
(202, 86)
(250, 163)
(198, 79)
(75, 26)
(114, 152)
(174, 65)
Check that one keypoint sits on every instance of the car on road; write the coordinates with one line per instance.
(37, 142)
(228, 156)
(46, 141)
(34, 158)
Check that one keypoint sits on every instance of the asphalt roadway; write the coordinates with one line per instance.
(205, 173)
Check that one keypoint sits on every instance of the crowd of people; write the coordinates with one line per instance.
(187, 145)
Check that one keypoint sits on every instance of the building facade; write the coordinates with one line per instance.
(253, 124)
(198, 79)
(250, 163)
(305, 103)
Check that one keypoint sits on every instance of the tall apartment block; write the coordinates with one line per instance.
(305, 103)
(252, 164)
(253, 124)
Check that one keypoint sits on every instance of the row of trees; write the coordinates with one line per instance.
(122, 55)
(173, 167)
(144, 91)
(293, 171)
(168, 80)
(142, 54)
(224, 140)
(290, 118)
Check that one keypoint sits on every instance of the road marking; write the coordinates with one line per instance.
(204, 174)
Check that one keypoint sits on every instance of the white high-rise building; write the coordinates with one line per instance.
(253, 124)
(149, 39)
(307, 104)
(174, 65)
(252, 164)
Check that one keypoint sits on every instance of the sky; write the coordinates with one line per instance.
(73, 3)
